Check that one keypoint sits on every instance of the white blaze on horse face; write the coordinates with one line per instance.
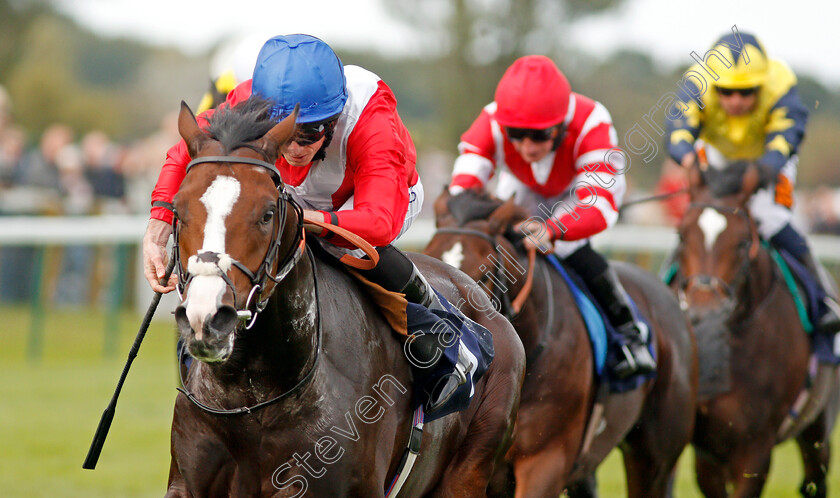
(218, 199)
(455, 256)
(712, 223)
(205, 293)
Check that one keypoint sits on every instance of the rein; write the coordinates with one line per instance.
(514, 306)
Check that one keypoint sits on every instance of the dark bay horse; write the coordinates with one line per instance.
(754, 353)
(552, 447)
(301, 388)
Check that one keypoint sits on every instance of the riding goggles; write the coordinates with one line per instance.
(309, 133)
(519, 134)
(743, 92)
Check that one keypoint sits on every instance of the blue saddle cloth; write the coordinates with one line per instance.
(475, 341)
(605, 339)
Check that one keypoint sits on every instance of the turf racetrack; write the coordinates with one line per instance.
(49, 411)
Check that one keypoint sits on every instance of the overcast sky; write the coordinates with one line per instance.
(804, 33)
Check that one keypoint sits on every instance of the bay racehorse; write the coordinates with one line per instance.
(558, 439)
(301, 388)
(754, 352)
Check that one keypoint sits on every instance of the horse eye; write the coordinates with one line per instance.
(268, 216)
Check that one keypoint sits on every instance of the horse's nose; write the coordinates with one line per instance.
(213, 327)
(222, 323)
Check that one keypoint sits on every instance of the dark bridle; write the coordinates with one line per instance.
(725, 290)
(257, 278)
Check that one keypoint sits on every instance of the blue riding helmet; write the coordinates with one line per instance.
(294, 69)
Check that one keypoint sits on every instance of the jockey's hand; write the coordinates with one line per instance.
(537, 235)
(155, 257)
(766, 175)
(689, 160)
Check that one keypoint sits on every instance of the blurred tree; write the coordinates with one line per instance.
(478, 40)
(61, 72)
(15, 19)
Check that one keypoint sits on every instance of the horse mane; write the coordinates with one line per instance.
(472, 204)
(235, 126)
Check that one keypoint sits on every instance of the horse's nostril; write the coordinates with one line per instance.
(223, 322)
(182, 320)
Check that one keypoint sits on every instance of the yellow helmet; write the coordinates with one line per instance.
(747, 60)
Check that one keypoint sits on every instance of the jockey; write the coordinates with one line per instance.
(351, 164)
(753, 113)
(558, 157)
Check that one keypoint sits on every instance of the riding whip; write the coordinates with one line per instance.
(658, 197)
(108, 414)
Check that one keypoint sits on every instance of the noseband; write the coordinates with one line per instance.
(218, 264)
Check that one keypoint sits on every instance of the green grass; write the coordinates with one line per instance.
(49, 411)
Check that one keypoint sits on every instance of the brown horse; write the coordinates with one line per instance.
(552, 446)
(753, 350)
(302, 387)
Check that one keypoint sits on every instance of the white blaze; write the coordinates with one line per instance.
(455, 256)
(218, 199)
(712, 223)
(206, 290)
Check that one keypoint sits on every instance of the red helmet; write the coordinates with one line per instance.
(533, 93)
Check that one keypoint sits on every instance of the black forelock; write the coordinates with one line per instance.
(726, 181)
(242, 123)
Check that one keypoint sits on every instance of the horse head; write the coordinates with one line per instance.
(235, 236)
(718, 241)
(470, 236)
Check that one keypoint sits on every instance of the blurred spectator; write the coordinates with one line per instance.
(103, 171)
(77, 199)
(141, 162)
(37, 168)
(822, 211)
(12, 146)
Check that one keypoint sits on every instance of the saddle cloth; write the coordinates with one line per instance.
(473, 342)
(605, 339)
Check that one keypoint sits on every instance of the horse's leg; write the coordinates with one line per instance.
(648, 473)
(750, 466)
(711, 476)
(490, 431)
(814, 446)
(503, 483)
(544, 473)
(583, 488)
(176, 487)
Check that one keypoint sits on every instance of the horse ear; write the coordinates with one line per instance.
(749, 183)
(280, 134)
(189, 130)
(442, 215)
(500, 217)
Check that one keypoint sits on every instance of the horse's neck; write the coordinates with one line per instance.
(761, 277)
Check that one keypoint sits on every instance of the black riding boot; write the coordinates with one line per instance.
(395, 272)
(791, 241)
(602, 281)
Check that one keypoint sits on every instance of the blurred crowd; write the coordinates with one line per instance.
(62, 173)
